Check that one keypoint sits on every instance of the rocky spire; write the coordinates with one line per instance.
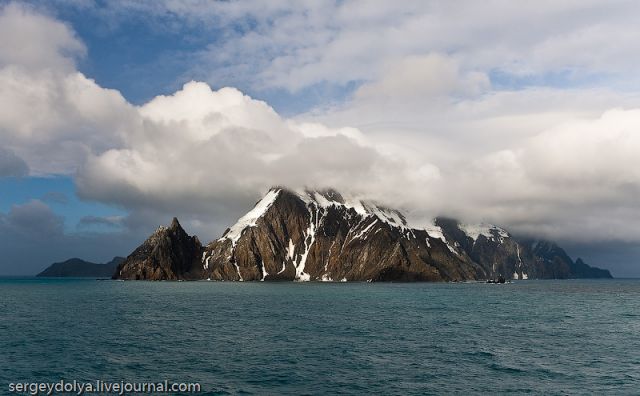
(170, 253)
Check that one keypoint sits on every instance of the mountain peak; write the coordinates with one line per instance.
(250, 219)
(169, 253)
(175, 224)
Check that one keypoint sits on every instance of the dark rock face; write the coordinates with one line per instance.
(315, 236)
(168, 254)
(580, 269)
(321, 236)
(78, 268)
(556, 263)
(500, 254)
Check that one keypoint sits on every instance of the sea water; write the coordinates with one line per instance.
(536, 337)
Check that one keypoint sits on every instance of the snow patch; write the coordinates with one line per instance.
(322, 201)
(487, 230)
(389, 216)
(435, 231)
(310, 236)
(250, 219)
(264, 270)
(355, 204)
(365, 230)
(238, 271)
(290, 249)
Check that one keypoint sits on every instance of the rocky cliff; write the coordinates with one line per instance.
(323, 236)
(168, 254)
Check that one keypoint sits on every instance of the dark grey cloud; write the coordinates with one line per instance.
(621, 258)
(90, 221)
(34, 220)
(24, 255)
(32, 237)
(11, 164)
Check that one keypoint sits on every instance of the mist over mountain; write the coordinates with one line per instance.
(535, 131)
(324, 236)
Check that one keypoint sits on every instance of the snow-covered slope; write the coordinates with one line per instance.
(250, 219)
(488, 231)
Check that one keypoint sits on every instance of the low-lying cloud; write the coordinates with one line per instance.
(11, 165)
(424, 134)
(203, 151)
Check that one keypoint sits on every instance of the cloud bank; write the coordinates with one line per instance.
(426, 129)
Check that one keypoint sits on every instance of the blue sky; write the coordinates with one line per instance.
(143, 57)
(59, 193)
(114, 119)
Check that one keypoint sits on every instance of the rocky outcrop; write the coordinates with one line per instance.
(324, 236)
(500, 254)
(321, 236)
(168, 254)
(78, 268)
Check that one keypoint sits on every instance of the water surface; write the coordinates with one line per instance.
(536, 337)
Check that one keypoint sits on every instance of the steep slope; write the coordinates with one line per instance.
(499, 253)
(76, 267)
(324, 236)
(553, 259)
(580, 269)
(169, 253)
(320, 235)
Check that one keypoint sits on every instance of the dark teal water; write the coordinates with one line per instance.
(536, 337)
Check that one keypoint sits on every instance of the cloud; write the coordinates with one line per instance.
(425, 129)
(51, 115)
(541, 161)
(310, 43)
(577, 181)
(420, 78)
(261, 46)
(36, 41)
(34, 219)
(207, 154)
(11, 164)
(53, 120)
(33, 237)
(107, 221)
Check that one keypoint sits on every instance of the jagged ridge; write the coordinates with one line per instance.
(324, 236)
(168, 254)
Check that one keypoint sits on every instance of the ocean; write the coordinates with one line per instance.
(528, 337)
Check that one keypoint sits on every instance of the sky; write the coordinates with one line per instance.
(116, 116)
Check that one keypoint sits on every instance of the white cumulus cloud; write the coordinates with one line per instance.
(424, 129)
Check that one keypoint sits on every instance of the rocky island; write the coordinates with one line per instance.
(323, 236)
(79, 268)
